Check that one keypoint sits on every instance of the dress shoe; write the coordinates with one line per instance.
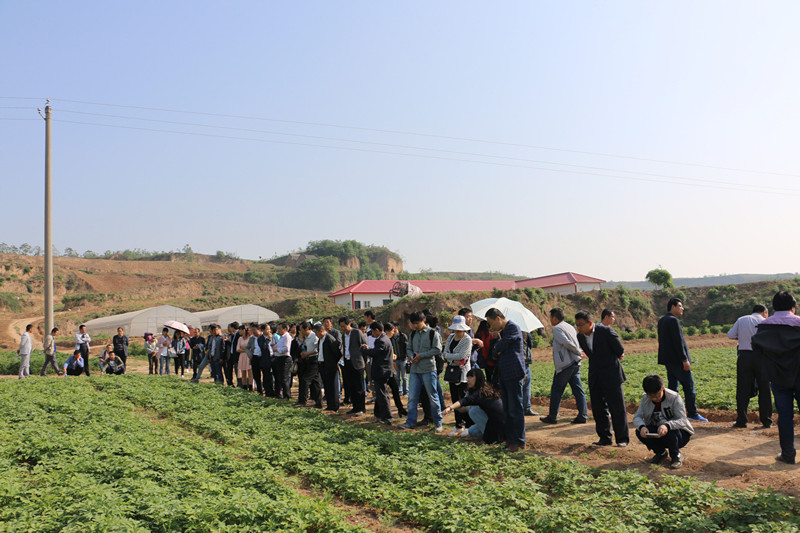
(530, 412)
(622, 444)
(658, 458)
(578, 420)
(603, 442)
(739, 425)
(783, 459)
(548, 420)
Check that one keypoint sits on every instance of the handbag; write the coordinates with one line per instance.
(171, 352)
(452, 373)
(295, 367)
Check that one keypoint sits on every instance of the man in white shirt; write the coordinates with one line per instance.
(24, 352)
(750, 371)
(283, 362)
(82, 340)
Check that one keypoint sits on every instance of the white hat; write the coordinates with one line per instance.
(459, 324)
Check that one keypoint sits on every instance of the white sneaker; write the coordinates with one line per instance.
(439, 428)
(465, 434)
(456, 432)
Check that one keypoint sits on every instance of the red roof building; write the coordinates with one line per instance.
(374, 293)
(564, 283)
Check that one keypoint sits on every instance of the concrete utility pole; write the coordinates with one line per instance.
(49, 317)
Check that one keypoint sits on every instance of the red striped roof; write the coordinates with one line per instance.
(556, 280)
(383, 286)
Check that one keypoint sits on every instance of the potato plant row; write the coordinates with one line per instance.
(73, 458)
(447, 485)
(714, 371)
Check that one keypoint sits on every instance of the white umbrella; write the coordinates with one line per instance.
(514, 311)
(174, 324)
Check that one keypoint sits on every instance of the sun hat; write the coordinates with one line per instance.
(459, 324)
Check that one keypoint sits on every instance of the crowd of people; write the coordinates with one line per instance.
(487, 371)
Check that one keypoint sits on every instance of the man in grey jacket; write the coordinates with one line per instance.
(423, 346)
(24, 352)
(567, 358)
(661, 422)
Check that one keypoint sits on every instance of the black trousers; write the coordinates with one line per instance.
(179, 363)
(282, 368)
(330, 379)
(229, 366)
(673, 441)
(609, 399)
(309, 379)
(749, 370)
(197, 358)
(84, 348)
(398, 401)
(457, 392)
(382, 410)
(262, 376)
(358, 395)
(152, 363)
(347, 387)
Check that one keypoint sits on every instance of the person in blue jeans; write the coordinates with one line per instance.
(484, 404)
(777, 344)
(674, 355)
(567, 356)
(509, 356)
(423, 346)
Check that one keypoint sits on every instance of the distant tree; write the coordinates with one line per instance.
(660, 278)
(70, 252)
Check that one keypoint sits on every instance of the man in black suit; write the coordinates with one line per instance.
(331, 351)
(674, 355)
(262, 364)
(381, 371)
(352, 341)
(602, 346)
(231, 358)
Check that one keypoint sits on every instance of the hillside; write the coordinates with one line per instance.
(708, 281)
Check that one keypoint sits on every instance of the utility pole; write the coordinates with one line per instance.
(49, 317)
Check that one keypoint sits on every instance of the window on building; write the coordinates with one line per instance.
(367, 304)
(357, 304)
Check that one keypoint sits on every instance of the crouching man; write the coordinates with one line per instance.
(661, 422)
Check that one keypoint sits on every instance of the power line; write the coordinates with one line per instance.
(430, 135)
(740, 188)
(409, 147)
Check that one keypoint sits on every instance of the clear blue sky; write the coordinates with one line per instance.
(368, 121)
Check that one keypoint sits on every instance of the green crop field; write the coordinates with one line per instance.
(714, 371)
(137, 453)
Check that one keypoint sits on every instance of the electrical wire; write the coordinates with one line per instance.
(409, 147)
(741, 188)
(430, 135)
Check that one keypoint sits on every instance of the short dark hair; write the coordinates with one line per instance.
(606, 312)
(362, 324)
(369, 313)
(783, 301)
(242, 326)
(284, 325)
(758, 308)
(416, 316)
(328, 318)
(29, 327)
(673, 302)
(652, 383)
(583, 315)
(317, 327)
(494, 313)
(53, 331)
(388, 326)
(82, 326)
(464, 311)
(343, 320)
(234, 325)
(376, 326)
(558, 313)
(305, 325)
(164, 329)
(433, 321)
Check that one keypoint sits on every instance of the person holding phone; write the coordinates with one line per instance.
(661, 422)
